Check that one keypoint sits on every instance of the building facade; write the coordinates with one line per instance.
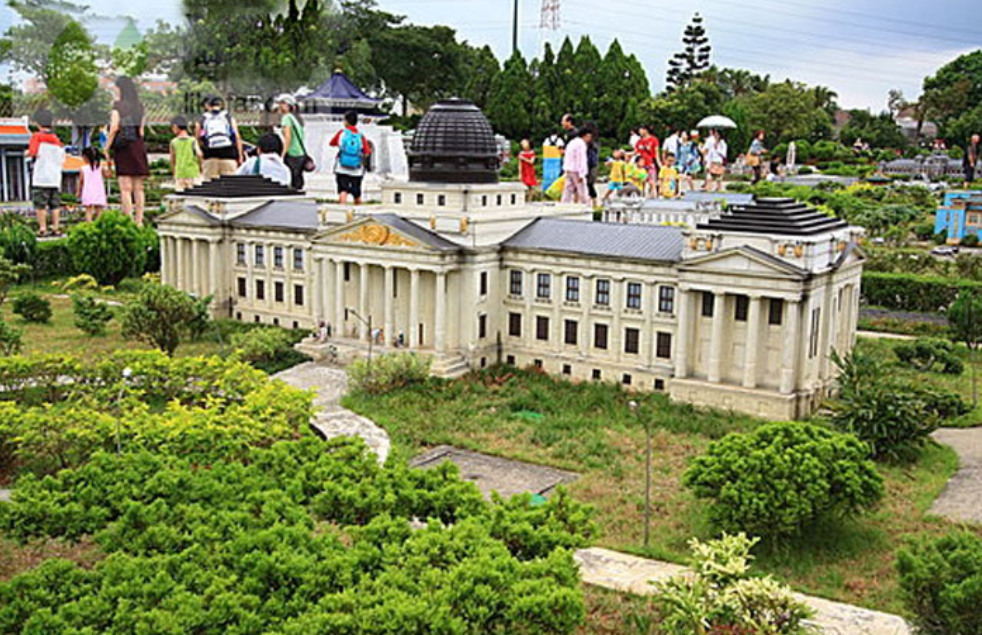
(740, 312)
(960, 215)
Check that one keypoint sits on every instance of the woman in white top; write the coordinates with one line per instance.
(714, 151)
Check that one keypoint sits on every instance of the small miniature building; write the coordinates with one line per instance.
(740, 312)
(933, 166)
(15, 179)
(959, 215)
(690, 209)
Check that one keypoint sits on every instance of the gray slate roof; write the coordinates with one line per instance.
(610, 240)
(296, 215)
(413, 230)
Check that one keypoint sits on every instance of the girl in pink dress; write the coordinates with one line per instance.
(92, 183)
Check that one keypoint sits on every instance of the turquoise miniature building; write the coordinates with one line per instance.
(959, 215)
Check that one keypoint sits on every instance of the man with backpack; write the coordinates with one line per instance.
(353, 151)
(221, 143)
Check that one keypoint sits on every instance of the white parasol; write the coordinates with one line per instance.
(716, 121)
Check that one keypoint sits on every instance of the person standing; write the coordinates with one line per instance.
(48, 155)
(618, 173)
(755, 156)
(185, 155)
(647, 149)
(294, 139)
(715, 152)
(221, 143)
(569, 128)
(971, 159)
(526, 163)
(129, 153)
(688, 161)
(593, 162)
(92, 184)
(349, 166)
(576, 168)
(671, 145)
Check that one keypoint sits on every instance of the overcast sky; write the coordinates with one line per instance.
(860, 48)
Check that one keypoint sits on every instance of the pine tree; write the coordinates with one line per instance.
(587, 65)
(687, 64)
(510, 100)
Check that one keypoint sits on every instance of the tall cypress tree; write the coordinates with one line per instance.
(546, 110)
(694, 59)
(510, 102)
(586, 69)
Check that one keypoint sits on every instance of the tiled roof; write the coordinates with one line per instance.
(413, 230)
(783, 216)
(297, 215)
(611, 240)
(241, 186)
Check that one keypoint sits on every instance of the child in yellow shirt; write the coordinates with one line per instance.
(668, 178)
(618, 173)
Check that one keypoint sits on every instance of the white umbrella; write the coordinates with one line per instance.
(716, 121)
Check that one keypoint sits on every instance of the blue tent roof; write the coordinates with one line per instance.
(340, 88)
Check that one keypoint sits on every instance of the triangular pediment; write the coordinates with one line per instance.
(183, 214)
(371, 232)
(852, 254)
(743, 261)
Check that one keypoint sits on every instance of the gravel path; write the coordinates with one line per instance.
(330, 419)
(961, 499)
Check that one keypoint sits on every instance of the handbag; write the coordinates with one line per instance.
(308, 162)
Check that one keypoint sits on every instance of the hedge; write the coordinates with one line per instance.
(912, 292)
(52, 259)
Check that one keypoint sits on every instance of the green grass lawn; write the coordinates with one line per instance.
(589, 429)
(882, 349)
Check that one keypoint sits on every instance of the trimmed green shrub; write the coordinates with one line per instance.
(783, 477)
(970, 240)
(32, 307)
(267, 348)
(386, 373)
(910, 292)
(18, 242)
(930, 354)
(160, 316)
(109, 249)
(941, 579)
(90, 315)
(52, 259)
(11, 339)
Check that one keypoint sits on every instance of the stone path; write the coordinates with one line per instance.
(330, 419)
(961, 499)
(631, 574)
(883, 335)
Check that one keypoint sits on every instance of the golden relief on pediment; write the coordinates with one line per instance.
(375, 234)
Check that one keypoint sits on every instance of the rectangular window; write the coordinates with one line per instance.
(298, 259)
(482, 326)
(543, 288)
(626, 379)
(298, 294)
(515, 282)
(775, 312)
(510, 360)
(347, 272)
(572, 289)
(740, 308)
(813, 336)
(278, 291)
(240, 253)
(571, 332)
(260, 256)
(600, 336)
(441, 200)
(420, 199)
(632, 341)
(663, 345)
(541, 328)
(278, 257)
(634, 295)
(708, 302)
(666, 299)
(602, 296)
(515, 324)
(484, 283)
(567, 369)
(260, 290)
(242, 287)
(596, 374)
(397, 198)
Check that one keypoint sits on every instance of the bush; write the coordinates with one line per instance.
(52, 259)
(18, 243)
(722, 596)
(90, 315)
(783, 477)
(941, 579)
(970, 240)
(109, 249)
(892, 415)
(386, 373)
(267, 348)
(10, 339)
(910, 292)
(930, 354)
(10, 274)
(32, 307)
(160, 316)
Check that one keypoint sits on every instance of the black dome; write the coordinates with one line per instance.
(454, 143)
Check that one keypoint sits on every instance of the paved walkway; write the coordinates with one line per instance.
(883, 335)
(630, 574)
(961, 499)
(330, 419)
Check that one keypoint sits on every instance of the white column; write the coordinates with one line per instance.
(267, 268)
(196, 266)
(716, 341)
(440, 339)
(363, 301)
(213, 289)
(414, 308)
(649, 304)
(165, 253)
(318, 282)
(528, 322)
(586, 301)
(752, 344)
(557, 295)
(618, 293)
(339, 290)
(182, 270)
(388, 304)
(789, 350)
(682, 334)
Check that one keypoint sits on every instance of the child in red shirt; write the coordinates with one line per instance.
(526, 163)
(48, 153)
(647, 147)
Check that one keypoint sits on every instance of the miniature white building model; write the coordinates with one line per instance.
(741, 312)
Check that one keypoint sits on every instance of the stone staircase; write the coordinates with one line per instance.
(341, 352)
(449, 365)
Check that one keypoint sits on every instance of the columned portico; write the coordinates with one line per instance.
(414, 308)
(682, 337)
(363, 271)
(213, 271)
(388, 303)
(440, 329)
(338, 325)
(789, 346)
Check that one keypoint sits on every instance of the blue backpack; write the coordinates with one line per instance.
(350, 153)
